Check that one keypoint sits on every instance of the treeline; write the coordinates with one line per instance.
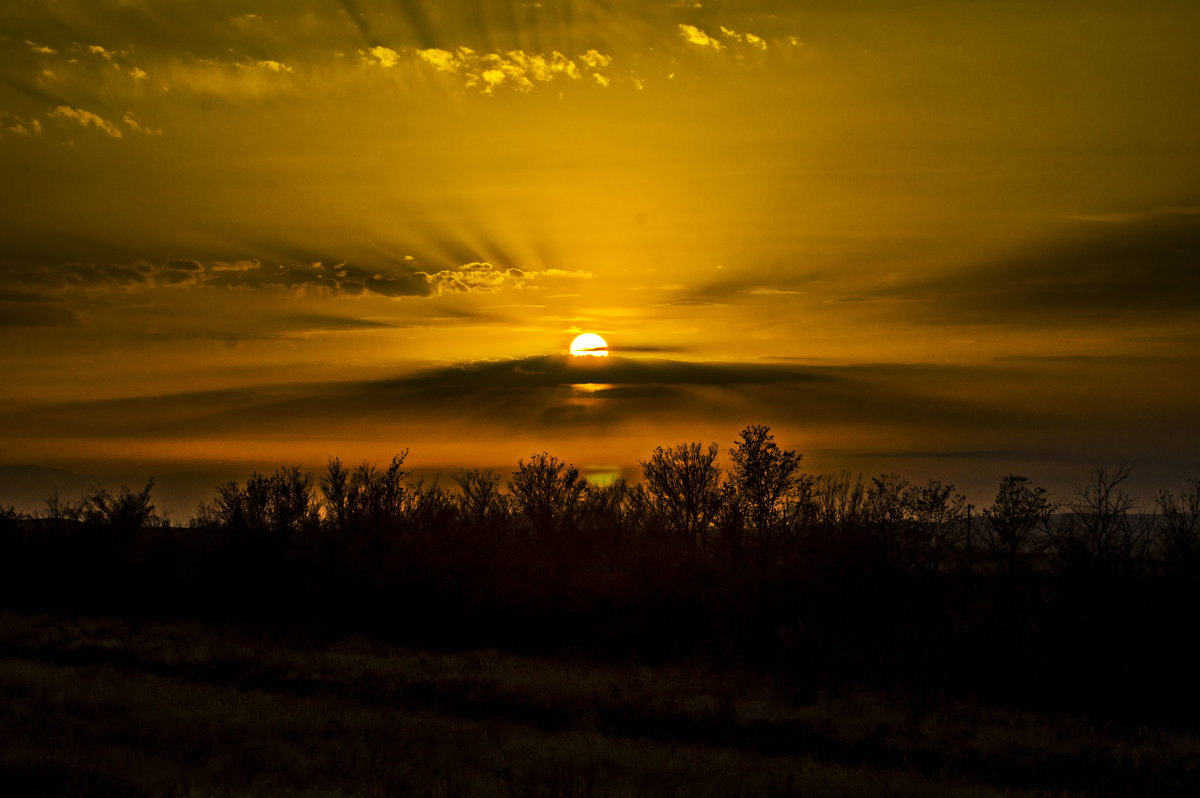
(820, 580)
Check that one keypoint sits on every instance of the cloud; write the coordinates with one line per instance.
(478, 277)
(545, 393)
(251, 274)
(1128, 217)
(342, 278)
(86, 118)
(25, 309)
(1131, 267)
(741, 46)
(236, 78)
(115, 275)
(516, 69)
(319, 322)
(267, 327)
(596, 60)
(19, 126)
(133, 124)
(745, 38)
(698, 37)
(484, 277)
(386, 56)
(924, 414)
(268, 64)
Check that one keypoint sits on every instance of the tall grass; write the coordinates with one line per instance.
(109, 707)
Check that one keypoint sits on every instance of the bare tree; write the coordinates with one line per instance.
(1103, 528)
(683, 490)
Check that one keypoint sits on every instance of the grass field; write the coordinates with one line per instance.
(100, 707)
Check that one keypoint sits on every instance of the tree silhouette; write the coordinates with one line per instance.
(375, 498)
(1178, 540)
(1017, 522)
(937, 514)
(267, 510)
(335, 486)
(839, 500)
(1102, 530)
(481, 505)
(683, 491)
(546, 492)
(888, 517)
(767, 480)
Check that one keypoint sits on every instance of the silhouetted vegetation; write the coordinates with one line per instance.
(821, 581)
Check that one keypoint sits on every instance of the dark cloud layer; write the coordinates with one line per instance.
(939, 419)
(338, 278)
(1141, 267)
(541, 392)
(28, 314)
(29, 309)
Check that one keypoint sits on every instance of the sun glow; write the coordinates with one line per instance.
(589, 345)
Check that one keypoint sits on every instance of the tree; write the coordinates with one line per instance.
(838, 500)
(683, 490)
(268, 509)
(1178, 540)
(767, 479)
(481, 505)
(1103, 529)
(937, 514)
(887, 514)
(546, 492)
(335, 486)
(61, 513)
(126, 510)
(375, 498)
(606, 512)
(1015, 519)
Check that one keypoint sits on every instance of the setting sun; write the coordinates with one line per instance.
(589, 345)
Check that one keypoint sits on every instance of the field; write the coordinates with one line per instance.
(101, 706)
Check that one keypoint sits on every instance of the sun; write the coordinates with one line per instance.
(589, 345)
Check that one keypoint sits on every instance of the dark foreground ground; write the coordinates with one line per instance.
(107, 707)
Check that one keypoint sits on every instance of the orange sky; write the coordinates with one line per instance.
(950, 239)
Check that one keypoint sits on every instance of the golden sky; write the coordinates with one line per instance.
(951, 239)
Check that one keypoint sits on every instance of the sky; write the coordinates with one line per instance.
(948, 239)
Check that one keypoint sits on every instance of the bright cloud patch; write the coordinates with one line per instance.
(745, 38)
(517, 70)
(386, 56)
(486, 278)
(699, 37)
(86, 119)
